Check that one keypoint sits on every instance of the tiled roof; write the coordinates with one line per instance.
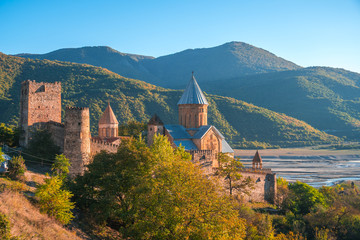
(187, 144)
(226, 147)
(204, 129)
(201, 131)
(108, 116)
(193, 94)
(177, 132)
(257, 157)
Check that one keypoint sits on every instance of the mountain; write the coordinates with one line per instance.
(128, 65)
(327, 98)
(230, 60)
(84, 85)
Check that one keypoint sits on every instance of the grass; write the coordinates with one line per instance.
(27, 222)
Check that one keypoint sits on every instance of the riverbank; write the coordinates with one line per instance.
(317, 167)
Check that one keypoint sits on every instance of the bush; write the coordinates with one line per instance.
(5, 227)
(17, 168)
(54, 200)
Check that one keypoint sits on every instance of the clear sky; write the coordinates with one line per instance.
(307, 32)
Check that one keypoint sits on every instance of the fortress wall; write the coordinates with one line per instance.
(97, 146)
(57, 131)
(264, 186)
(206, 159)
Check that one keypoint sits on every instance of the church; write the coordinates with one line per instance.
(201, 140)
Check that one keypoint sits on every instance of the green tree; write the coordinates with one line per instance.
(17, 168)
(132, 128)
(54, 200)
(8, 134)
(156, 193)
(302, 198)
(230, 169)
(1, 156)
(61, 166)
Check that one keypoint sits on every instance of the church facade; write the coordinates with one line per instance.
(201, 140)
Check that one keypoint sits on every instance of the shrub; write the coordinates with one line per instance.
(17, 168)
(4, 227)
(54, 200)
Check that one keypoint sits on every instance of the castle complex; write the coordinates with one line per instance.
(40, 108)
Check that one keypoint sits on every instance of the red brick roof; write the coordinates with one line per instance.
(108, 116)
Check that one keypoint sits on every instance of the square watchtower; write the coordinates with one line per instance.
(40, 103)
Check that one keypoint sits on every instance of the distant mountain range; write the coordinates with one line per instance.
(326, 98)
(229, 60)
(243, 124)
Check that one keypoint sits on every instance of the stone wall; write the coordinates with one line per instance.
(206, 159)
(192, 115)
(97, 146)
(264, 185)
(39, 103)
(77, 139)
(57, 131)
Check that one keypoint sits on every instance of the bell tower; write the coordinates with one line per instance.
(108, 124)
(193, 106)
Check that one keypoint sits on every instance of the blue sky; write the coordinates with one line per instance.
(307, 32)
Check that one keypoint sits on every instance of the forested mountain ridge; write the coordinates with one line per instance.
(229, 60)
(327, 98)
(85, 85)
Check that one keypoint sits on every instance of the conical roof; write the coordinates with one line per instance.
(155, 120)
(257, 157)
(108, 116)
(193, 94)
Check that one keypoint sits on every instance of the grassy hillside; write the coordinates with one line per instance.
(24, 216)
(326, 98)
(229, 60)
(85, 85)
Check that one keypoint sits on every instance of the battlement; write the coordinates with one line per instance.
(201, 151)
(76, 108)
(101, 142)
(257, 170)
(40, 83)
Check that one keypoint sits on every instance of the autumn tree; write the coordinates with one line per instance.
(54, 200)
(61, 166)
(230, 169)
(155, 193)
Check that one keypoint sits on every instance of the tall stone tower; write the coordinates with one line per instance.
(77, 139)
(155, 126)
(193, 106)
(108, 124)
(40, 103)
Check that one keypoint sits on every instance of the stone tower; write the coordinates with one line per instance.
(257, 161)
(155, 126)
(40, 103)
(77, 139)
(193, 106)
(108, 124)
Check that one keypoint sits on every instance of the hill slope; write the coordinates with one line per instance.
(326, 98)
(229, 60)
(85, 85)
(128, 65)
